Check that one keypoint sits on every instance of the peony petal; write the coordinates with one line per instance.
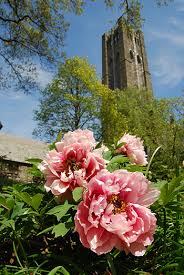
(137, 249)
(149, 198)
(58, 187)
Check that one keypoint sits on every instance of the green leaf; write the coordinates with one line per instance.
(107, 155)
(17, 210)
(59, 136)
(10, 202)
(59, 268)
(24, 196)
(46, 230)
(8, 223)
(116, 161)
(35, 161)
(119, 159)
(36, 201)
(3, 202)
(77, 193)
(52, 146)
(164, 192)
(12, 224)
(170, 190)
(60, 210)
(60, 230)
(120, 145)
(169, 266)
(112, 167)
(99, 144)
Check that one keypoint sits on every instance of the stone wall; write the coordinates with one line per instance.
(15, 170)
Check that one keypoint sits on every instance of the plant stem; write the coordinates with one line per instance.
(16, 255)
(165, 226)
(23, 251)
(152, 157)
(111, 264)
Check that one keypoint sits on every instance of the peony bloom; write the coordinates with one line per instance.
(84, 137)
(114, 213)
(72, 164)
(133, 148)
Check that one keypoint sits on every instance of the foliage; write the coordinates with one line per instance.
(32, 30)
(29, 29)
(37, 230)
(131, 10)
(159, 122)
(71, 101)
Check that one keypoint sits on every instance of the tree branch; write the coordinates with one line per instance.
(18, 75)
(14, 20)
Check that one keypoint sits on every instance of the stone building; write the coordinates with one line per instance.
(124, 60)
(13, 154)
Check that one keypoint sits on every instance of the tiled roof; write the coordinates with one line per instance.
(19, 149)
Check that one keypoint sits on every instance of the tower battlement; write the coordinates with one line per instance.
(124, 59)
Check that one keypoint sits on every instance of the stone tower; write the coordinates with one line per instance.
(124, 60)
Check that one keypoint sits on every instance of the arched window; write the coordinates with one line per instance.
(131, 55)
(138, 59)
(137, 41)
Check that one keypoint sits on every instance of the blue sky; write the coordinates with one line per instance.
(164, 39)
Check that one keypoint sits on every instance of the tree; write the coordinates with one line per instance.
(159, 122)
(71, 101)
(131, 10)
(32, 30)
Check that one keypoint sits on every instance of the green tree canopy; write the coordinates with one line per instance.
(71, 101)
(159, 122)
(32, 30)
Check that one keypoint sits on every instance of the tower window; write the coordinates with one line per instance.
(117, 35)
(115, 39)
(129, 34)
(138, 59)
(131, 55)
(137, 41)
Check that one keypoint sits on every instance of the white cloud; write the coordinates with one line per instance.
(171, 37)
(43, 76)
(176, 23)
(168, 64)
(168, 69)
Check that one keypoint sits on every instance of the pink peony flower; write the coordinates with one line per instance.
(114, 213)
(72, 164)
(84, 137)
(133, 148)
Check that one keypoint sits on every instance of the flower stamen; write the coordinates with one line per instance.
(119, 205)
